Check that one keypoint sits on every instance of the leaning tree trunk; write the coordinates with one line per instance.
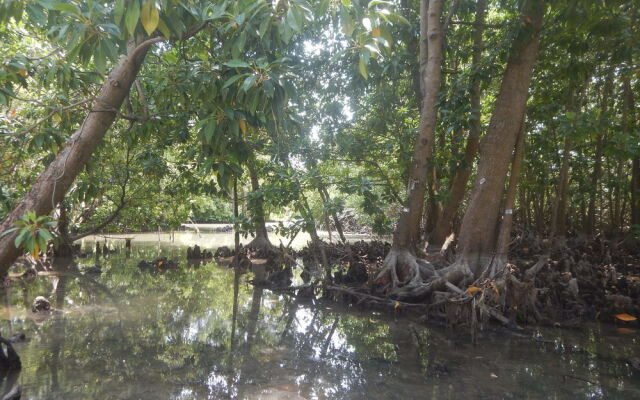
(477, 239)
(400, 264)
(458, 186)
(261, 241)
(52, 184)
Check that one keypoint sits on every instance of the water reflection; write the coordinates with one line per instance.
(198, 333)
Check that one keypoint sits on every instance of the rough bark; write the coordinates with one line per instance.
(261, 241)
(458, 186)
(52, 184)
(64, 247)
(504, 233)
(408, 232)
(400, 264)
(477, 238)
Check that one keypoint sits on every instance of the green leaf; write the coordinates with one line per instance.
(292, 20)
(209, 130)
(132, 16)
(99, 60)
(248, 83)
(362, 67)
(118, 11)
(24, 234)
(238, 45)
(372, 48)
(264, 25)
(236, 63)
(8, 231)
(66, 7)
(164, 29)
(380, 2)
(232, 80)
(149, 16)
(347, 22)
(45, 234)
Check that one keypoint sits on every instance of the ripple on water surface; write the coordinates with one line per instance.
(204, 333)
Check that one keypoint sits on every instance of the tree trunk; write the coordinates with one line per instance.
(559, 217)
(629, 121)
(458, 186)
(52, 184)
(477, 237)
(597, 162)
(400, 262)
(408, 232)
(64, 246)
(326, 198)
(261, 241)
(504, 234)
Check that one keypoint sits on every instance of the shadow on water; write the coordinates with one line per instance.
(204, 332)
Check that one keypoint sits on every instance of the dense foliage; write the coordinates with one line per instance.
(322, 99)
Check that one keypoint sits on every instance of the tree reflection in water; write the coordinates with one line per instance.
(204, 332)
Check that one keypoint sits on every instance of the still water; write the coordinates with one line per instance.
(203, 332)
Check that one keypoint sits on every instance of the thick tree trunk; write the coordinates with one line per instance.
(261, 241)
(401, 263)
(64, 246)
(477, 238)
(52, 184)
(458, 186)
(408, 232)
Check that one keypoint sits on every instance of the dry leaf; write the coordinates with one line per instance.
(396, 304)
(625, 317)
(626, 331)
(494, 375)
(472, 289)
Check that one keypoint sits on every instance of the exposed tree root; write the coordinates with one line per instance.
(260, 244)
(402, 268)
(585, 280)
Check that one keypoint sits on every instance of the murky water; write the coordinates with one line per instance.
(205, 333)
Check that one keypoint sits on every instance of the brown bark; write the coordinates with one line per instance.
(401, 265)
(326, 198)
(477, 237)
(458, 186)
(408, 232)
(504, 234)
(236, 231)
(261, 240)
(52, 184)
(629, 122)
(597, 162)
(559, 216)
